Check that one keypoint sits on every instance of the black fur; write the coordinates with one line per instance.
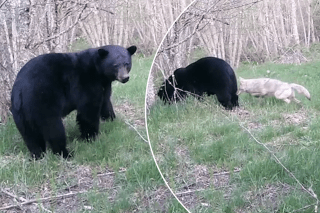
(208, 75)
(50, 86)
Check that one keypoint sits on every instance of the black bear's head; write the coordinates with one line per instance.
(171, 89)
(166, 90)
(116, 62)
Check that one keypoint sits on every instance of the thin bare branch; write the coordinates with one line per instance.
(4, 1)
(137, 132)
(68, 29)
(42, 200)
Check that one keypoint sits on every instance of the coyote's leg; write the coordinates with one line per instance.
(296, 100)
(287, 100)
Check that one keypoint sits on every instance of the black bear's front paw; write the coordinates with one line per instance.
(108, 116)
(88, 128)
(88, 135)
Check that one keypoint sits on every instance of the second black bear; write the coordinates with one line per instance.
(208, 75)
(50, 86)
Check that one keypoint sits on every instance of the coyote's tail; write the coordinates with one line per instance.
(301, 90)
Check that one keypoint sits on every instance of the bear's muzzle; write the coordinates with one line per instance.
(123, 75)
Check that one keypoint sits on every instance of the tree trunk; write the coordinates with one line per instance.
(295, 32)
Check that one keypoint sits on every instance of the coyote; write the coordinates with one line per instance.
(272, 87)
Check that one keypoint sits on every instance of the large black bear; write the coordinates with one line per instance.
(50, 86)
(208, 75)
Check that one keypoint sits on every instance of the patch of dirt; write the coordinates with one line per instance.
(200, 179)
(191, 179)
(158, 199)
(241, 113)
(183, 153)
(129, 112)
(266, 198)
(67, 194)
(295, 118)
(281, 141)
(254, 125)
(245, 115)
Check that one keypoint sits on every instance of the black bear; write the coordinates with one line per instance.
(50, 86)
(208, 75)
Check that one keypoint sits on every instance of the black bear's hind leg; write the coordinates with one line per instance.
(55, 135)
(35, 143)
(31, 135)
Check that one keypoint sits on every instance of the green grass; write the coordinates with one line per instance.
(133, 186)
(196, 142)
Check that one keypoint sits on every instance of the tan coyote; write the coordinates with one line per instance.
(272, 87)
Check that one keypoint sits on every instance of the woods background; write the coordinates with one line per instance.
(33, 27)
(234, 30)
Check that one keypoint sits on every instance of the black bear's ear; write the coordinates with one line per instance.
(132, 49)
(103, 53)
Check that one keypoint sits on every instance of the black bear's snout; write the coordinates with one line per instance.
(165, 93)
(123, 75)
(124, 80)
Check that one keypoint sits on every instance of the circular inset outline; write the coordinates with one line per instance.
(145, 109)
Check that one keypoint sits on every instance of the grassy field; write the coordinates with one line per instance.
(226, 161)
(114, 173)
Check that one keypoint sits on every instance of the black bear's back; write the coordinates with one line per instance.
(46, 66)
(40, 83)
(209, 75)
(209, 67)
(211, 71)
